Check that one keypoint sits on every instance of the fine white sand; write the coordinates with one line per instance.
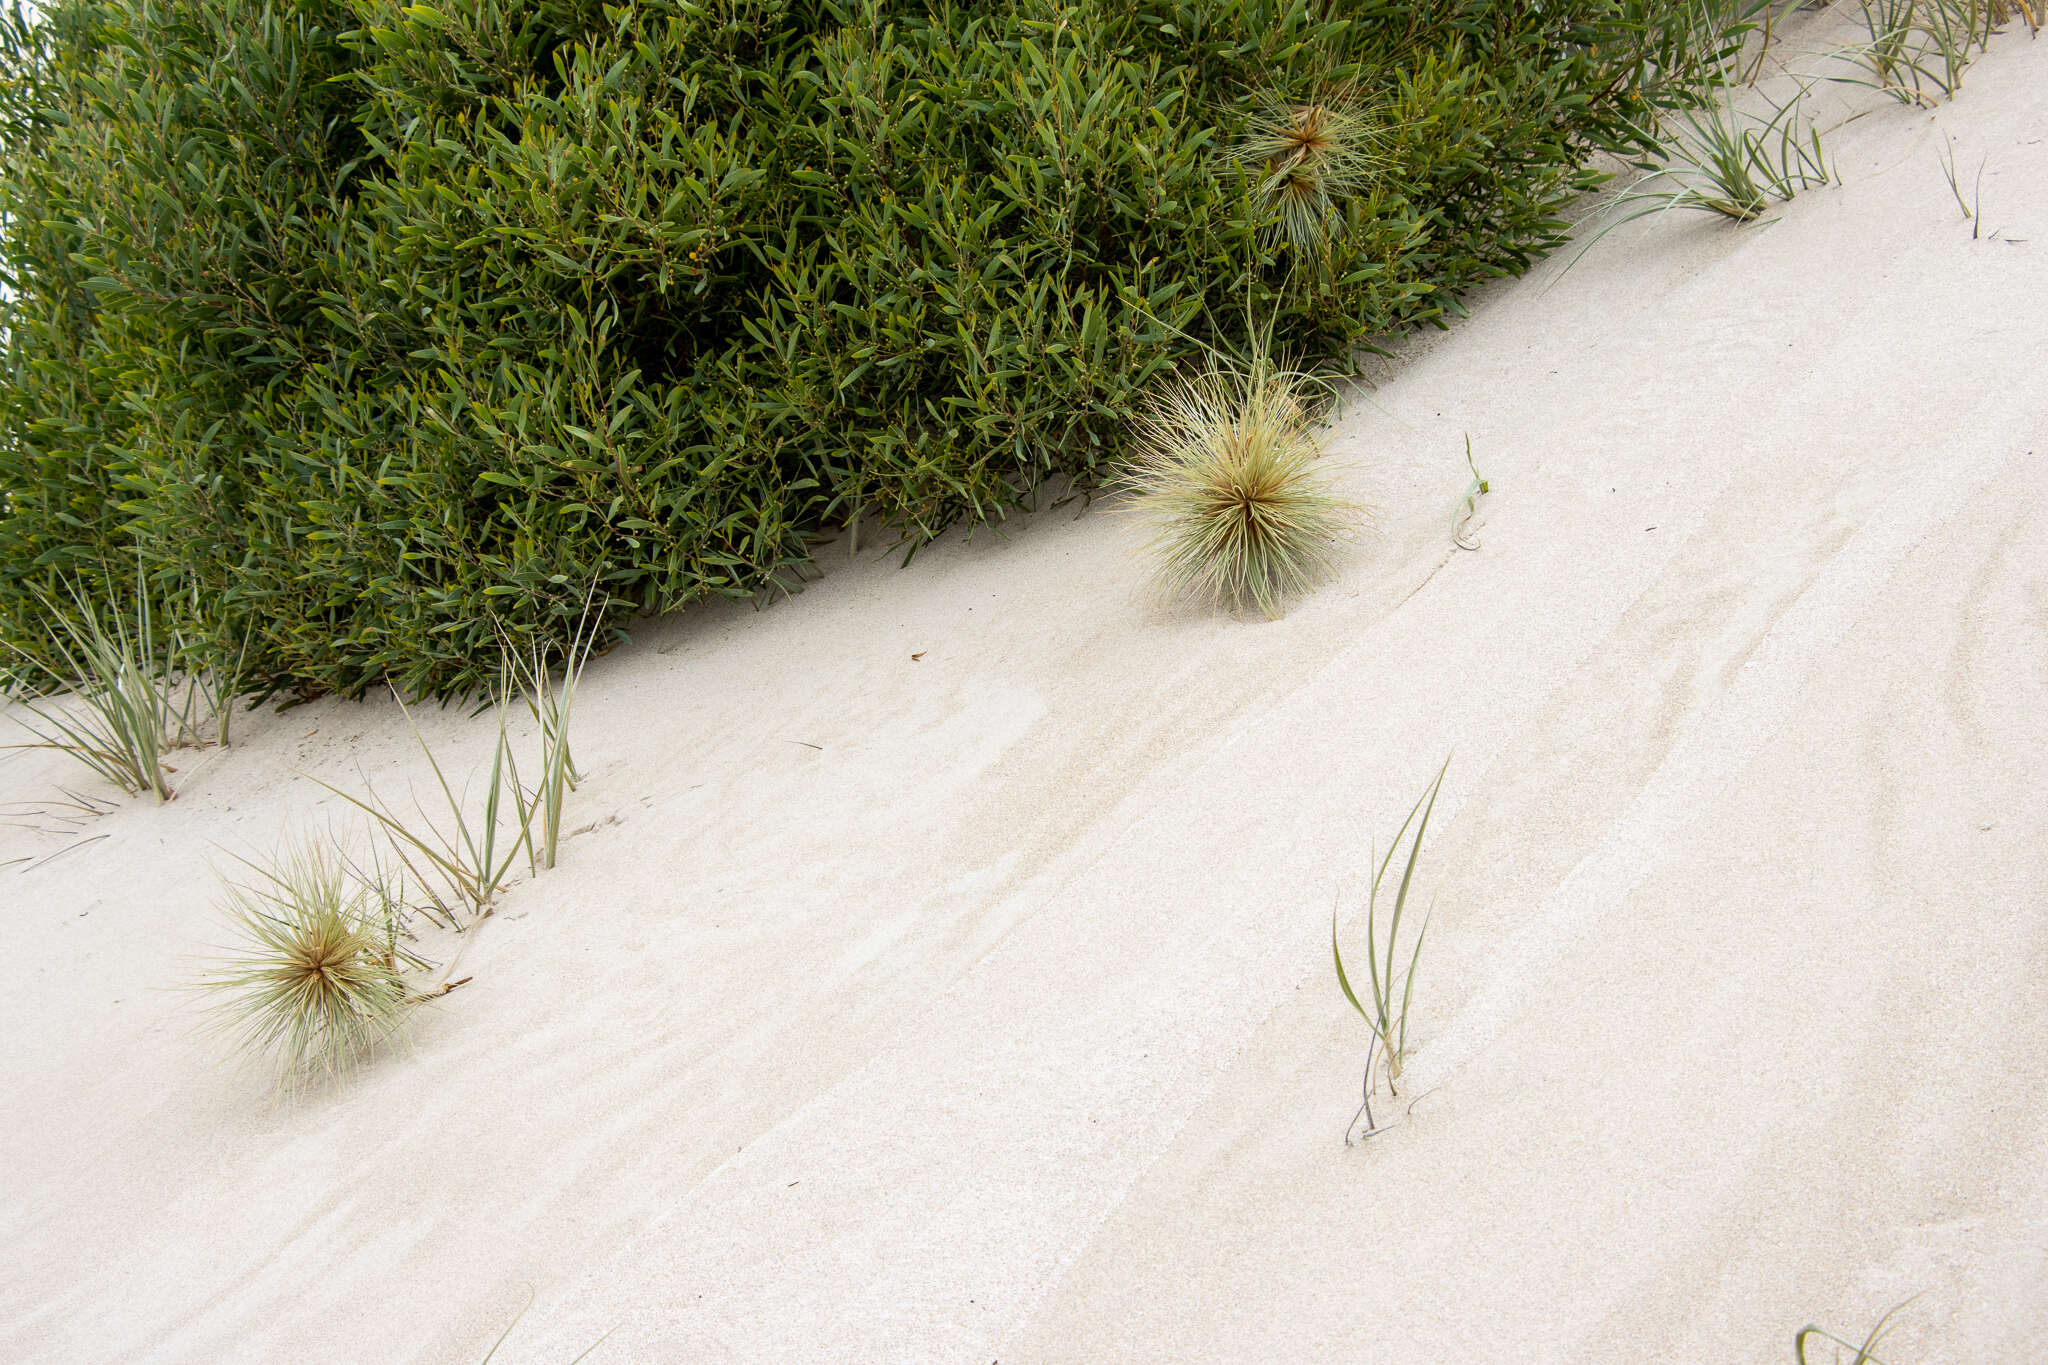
(978, 1006)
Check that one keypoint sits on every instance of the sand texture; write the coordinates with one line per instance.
(944, 975)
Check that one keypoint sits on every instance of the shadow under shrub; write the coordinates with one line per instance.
(380, 329)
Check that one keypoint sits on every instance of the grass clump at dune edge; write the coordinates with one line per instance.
(320, 976)
(460, 863)
(1917, 46)
(446, 310)
(1228, 479)
(138, 687)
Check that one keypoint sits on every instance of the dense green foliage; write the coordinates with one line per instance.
(375, 330)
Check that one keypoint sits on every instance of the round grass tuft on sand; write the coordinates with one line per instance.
(1229, 478)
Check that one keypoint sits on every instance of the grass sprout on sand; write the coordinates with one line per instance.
(1468, 504)
(1309, 158)
(1972, 207)
(319, 978)
(1227, 477)
(1387, 1015)
(1866, 1354)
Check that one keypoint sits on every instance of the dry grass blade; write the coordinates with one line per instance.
(1228, 478)
(1468, 505)
(319, 978)
(506, 1335)
(66, 816)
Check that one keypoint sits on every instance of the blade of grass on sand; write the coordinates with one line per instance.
(1386, 1016)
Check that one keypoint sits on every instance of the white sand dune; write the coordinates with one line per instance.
(977, 1006)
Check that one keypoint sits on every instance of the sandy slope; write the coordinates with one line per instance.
(1000, 1025)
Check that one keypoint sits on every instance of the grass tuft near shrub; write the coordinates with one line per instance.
(128, 702)
(551, 703)
(1922, 46)
(461, 862)
(1228, 478)
(121, 719)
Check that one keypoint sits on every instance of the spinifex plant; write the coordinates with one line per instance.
(1387, 1014)
(1309, 157)
(1228, 478)
(320, 976)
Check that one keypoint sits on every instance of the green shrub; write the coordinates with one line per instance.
(383, 329)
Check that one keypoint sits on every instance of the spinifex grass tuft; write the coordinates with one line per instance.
(319, 979)
(1227, 477)
(1388, 1014)
(1309, 158)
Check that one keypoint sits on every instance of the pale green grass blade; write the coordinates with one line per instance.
(1408, 989)
(1343, 980)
